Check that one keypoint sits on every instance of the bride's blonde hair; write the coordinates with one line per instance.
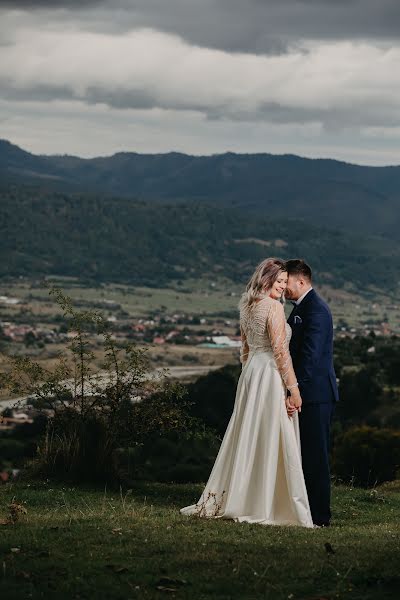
(263, 279)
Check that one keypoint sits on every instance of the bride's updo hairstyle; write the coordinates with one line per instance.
(263, 279)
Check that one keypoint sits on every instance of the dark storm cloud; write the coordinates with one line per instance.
(263, 25)
(259, 26)
(269, 25)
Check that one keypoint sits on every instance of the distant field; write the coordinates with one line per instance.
(216, 298)
(195, 297)
(203, 299)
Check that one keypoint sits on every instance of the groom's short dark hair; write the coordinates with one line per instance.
(297, 266)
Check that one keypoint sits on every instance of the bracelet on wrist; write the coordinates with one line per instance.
(294, 385)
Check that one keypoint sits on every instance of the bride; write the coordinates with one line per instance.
(257, 476)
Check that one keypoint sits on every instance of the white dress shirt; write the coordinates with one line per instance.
(299, 300)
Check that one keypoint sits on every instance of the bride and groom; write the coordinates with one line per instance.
(273, 464)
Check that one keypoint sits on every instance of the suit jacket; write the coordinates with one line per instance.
(311, 349)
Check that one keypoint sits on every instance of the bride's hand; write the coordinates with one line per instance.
(296, 399)
(290, 408)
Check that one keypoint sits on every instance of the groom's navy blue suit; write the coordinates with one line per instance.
(311, 348)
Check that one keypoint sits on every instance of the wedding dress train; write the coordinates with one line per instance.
(257, 476)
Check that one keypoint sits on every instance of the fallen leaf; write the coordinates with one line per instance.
(117, 569)
(15, 550)
(171, 581)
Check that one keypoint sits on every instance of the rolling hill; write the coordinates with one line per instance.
(360, 199)
(102, 238)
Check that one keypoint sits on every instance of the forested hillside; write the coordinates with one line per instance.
(95, 237)
(355, 198)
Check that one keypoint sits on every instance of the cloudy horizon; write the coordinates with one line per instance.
(306, 77)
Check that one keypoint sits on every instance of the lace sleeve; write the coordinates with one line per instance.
(276, 330)
(244, 350)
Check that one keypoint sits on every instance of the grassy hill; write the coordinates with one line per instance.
(98, 238)
(322, 192)
(77, 543)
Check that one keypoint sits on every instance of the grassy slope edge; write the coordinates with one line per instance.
(76, 543)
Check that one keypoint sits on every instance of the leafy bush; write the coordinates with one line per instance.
(11, 449)
(171, 458)
(367, 455)
(360, 393)
(212, 397)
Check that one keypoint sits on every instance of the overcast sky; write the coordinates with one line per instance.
(318, 78)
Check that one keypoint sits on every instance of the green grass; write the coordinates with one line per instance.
(193, 297)
(78, 543)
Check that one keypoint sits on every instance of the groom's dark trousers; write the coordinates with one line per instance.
(311, 348)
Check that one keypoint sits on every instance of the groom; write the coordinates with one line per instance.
(311, 348)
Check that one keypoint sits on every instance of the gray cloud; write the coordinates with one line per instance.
(73, 128)
(292, 69)
(260, 26)
(265, 25)
(38, 4)
(332, 83)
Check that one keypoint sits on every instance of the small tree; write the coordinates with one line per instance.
(94, 413)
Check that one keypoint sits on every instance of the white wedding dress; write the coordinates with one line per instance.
(257, 476)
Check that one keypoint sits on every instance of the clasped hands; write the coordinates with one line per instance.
(293, 403)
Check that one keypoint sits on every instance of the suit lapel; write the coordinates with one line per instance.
(302, 307)
(306, 301)
(291, 316)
